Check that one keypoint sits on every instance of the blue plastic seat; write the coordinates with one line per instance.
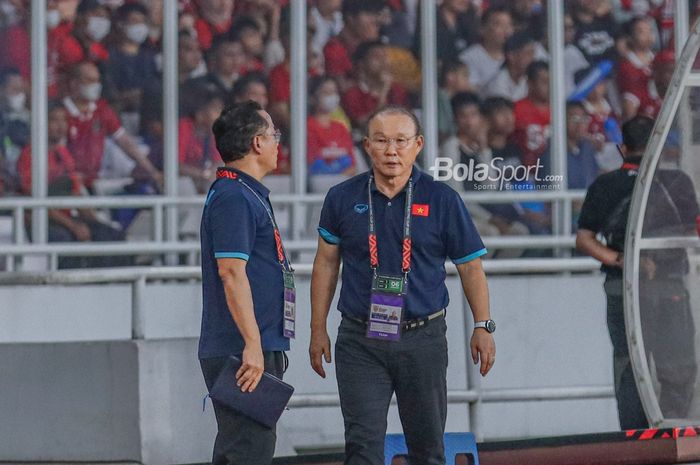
(455, 443)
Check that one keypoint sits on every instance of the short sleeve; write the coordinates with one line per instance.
(463, 242)
(591, 216)
(328, 225)
(232, 224)
(110, 119)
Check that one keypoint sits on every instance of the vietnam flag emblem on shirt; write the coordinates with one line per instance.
(419, 209)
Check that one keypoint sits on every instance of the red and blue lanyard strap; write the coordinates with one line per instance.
(281, 252)
(407, 246)
(630, 166)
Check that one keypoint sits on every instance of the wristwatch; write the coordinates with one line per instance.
(488, 325)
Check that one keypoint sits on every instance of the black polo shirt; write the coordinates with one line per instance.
(670, 211)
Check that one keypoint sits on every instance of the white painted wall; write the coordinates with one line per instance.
(120, 399)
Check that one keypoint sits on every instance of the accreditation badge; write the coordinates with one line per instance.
(386, 308)
(290, 298)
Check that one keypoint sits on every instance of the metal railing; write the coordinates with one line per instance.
(162, 243)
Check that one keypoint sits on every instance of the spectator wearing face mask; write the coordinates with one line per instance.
(14, 126)
(64, 180)
(14, 30)
(330, 148)
(84, 43)
(91, 121)
(130, 66)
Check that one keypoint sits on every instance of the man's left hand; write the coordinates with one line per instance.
(483, 348)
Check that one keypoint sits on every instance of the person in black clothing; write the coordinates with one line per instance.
(596, 31)
(668, 329)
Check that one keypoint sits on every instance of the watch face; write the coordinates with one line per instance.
(490, 326)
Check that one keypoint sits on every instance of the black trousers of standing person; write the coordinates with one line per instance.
(668, 333)
(370, 371)
(240, 440)
(630, 411)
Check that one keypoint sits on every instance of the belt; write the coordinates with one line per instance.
(409, 324)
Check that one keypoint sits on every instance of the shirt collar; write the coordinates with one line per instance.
(75, 112)
(256, 185)
(415, 173)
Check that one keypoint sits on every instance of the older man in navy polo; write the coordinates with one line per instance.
(393, 228)
(243, 278)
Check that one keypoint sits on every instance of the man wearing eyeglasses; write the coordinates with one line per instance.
(393, 227)
(246, 278)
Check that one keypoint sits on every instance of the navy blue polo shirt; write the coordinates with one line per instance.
(236, 225)
(442, 230)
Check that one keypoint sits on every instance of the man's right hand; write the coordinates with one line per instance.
(319, 349)
(252, 368)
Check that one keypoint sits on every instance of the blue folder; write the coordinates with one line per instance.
(264, 405)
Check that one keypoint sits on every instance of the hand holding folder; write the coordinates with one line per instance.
(264, 405)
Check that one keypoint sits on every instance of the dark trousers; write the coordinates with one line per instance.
(370, 371)
(240, 440)
(629, 406)
(668, 334)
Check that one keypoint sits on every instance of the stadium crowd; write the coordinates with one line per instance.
(105, 89)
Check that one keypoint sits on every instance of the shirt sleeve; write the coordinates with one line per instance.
(110, 120)
(233, 226)
(328, 225)
(463, 241)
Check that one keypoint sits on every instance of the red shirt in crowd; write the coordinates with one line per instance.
(206, 32)
(15, 51)
(194, 150)
(633, 79)
(56, 37)
(359, 102)
(86, 135)
(337, 57)
(71, 51)
(531, 129)
(598, 118)
(280, 83)
(328, 143)
(61, 164)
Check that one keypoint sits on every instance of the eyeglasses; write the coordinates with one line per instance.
(383, 143)
(576, 119)
(277, 135)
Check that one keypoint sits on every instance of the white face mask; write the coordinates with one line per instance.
(91, 92)
(16, 102)
(136, 32)
(9, 12)
(328, 103)
(98, 28)
(53, 18)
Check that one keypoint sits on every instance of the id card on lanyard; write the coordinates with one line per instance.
(387, 298)
(289, 328)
